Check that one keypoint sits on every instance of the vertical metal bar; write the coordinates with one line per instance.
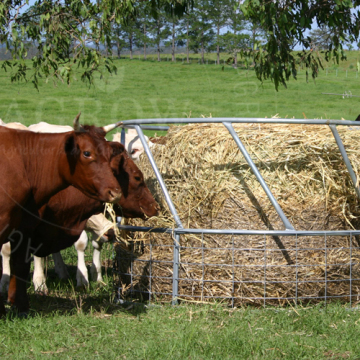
(176, 255)
(264, 271)
(345, 157)
(262, 182)
(131, 274)
(202, 266)
(176, 261)
(297, 271)
(150, 271)
(233, 271)
(350, 270)
(325, 269)
(159, 177)
(122, 136)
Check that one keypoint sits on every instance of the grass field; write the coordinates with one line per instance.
(149, 89)
(187, 332)
(71, 324)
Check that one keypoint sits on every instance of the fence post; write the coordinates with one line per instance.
(176, 255)
(176, 261)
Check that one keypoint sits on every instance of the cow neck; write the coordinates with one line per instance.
(70, 208)
(45, 162)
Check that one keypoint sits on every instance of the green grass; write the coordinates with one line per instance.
(186, 332)
(148, 89)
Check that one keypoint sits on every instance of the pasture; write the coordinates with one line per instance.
(72, 324)
(187, 332)
(148, 89)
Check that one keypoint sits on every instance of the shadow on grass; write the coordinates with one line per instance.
(65, 299)
(80, 303)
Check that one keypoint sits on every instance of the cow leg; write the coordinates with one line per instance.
(82, 277)
(39, 279)
(60, 267)
(2, 306)
(96, 264)
(5, 278)
(20, 270)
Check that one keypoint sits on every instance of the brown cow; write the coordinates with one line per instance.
(64, 217)
(34, 167)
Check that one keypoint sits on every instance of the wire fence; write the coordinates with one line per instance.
(259, 274)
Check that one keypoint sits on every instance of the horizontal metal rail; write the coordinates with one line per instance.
(147, 127)
(241, 232)
(240, 120)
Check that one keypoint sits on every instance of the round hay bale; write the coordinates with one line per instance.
(213, 187)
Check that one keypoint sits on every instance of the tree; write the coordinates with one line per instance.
(66, 33)
(160, 31)
(235, 43)
(201, 34)
(183, 38)
(117, 39)
(285, 23)
(219, 11)
(257, 34)
(321, 38)
(174, 22)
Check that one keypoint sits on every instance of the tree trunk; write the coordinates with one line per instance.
(218, 46)
(118, 49)
(173, 43)
(202, 48)
(144, 42)
(131, 46)
(187, 41)
(158, 41)
(253, 38)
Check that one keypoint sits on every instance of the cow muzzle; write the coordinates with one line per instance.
(113, 195)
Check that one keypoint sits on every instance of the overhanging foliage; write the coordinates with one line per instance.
(67, 34)
(286, 22)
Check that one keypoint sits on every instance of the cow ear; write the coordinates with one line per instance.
(70, 144)
(117, 147)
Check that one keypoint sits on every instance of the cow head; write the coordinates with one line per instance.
(88, 157)
(133, 144)
(136, 200)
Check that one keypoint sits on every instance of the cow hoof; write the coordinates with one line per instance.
(42, 292)
(23, 315)
(81, 288)
(14, 313)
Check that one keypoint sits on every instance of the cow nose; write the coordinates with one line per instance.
(114, 195)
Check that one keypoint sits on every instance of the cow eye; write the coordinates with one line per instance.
(87, 154)
(134, 151)
(137, 178)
